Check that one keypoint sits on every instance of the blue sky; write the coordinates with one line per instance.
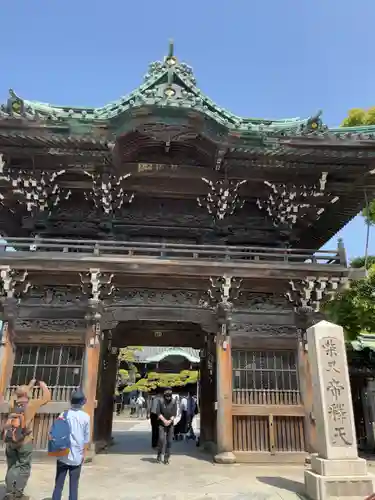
(266, 58)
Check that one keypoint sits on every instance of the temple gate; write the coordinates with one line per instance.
(162, 212)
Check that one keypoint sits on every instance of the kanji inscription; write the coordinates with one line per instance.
(337, 395)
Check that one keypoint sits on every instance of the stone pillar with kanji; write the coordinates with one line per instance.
(336, 470)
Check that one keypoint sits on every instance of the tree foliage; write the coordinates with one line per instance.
(369, 214)
(354, 307)
(128, 354)
(359, 262)
(153, 380)
(359, 117)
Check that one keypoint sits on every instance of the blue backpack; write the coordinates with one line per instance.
(59, 437)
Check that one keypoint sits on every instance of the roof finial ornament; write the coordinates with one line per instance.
(171, 59)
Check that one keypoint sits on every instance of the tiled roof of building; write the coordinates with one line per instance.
(155, 354)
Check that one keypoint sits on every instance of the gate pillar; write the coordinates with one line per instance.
(208, 394)
(106, 388)
(91, 361)
(224, 423)
(7, 346)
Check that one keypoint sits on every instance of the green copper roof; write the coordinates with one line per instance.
(157, 354)
(167, 84)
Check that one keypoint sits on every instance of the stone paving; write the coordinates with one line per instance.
(129, 471)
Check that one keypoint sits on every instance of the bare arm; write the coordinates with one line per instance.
(46, 393)
(31, 384)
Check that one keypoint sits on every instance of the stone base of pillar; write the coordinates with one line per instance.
(345, 478)
(226, 457)
(102, 445)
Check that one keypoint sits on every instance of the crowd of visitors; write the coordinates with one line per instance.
(171, 416)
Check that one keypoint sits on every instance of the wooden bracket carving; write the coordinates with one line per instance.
(38, 190)
(13, 283)
(286, 204)
(224, 289)
(97, 285)
(307, 294)
(222, 198)
(107, 192)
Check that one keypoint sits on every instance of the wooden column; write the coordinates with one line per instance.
(7, 355)
(106, 389)
(91, 363)
(208, 395)
(224, 423)
(7, 344)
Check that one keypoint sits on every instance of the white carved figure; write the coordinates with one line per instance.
(10, 281)
(287, 203)
(107, 193)
(97, 285)
(222, 199)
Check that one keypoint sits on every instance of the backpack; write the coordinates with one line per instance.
(15, 429)
(59, 437)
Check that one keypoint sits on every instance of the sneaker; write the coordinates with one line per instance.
(158, 459)
(166, 461)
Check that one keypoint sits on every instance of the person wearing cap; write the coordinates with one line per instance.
(166, 412)
(79, 422)
(19, 456)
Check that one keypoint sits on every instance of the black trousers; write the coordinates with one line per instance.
(154, 430)
(165, 441)
(61, 472)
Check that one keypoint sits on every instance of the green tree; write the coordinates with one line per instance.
(153, 380)
(354, 307)
(359, 262)
(358, 117)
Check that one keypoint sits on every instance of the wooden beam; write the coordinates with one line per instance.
(266, 410)
(73, 262)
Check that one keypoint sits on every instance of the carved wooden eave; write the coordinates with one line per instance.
(263, 330)
(53, 326)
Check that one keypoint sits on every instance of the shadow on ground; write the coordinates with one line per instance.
(139, 443)
(283, 483)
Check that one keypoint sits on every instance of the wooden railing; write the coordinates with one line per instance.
(173, 251)
(266, 397)
(58, 393)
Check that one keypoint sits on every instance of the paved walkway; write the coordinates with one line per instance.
(129, 472)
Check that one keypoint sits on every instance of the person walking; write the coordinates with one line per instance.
(18, 438)
(79, 423)
(140, 406)
(192, 411)
(166, 412)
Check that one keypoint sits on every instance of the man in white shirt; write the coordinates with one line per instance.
(140, 406)
(79, 422)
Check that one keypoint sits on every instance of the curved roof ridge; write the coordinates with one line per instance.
(168, 83)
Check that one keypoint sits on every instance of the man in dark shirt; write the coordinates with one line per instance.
(166, 412)
(154, 419)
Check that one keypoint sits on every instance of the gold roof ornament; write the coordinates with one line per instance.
(171, 59)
